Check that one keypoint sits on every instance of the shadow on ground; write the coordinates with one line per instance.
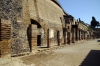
(98, 40)
(92, 59)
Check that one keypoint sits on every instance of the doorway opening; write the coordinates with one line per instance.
(38, 40)
(34, 36)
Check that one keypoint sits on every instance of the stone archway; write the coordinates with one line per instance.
(35, 34)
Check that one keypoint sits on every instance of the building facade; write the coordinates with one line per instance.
(28, 24)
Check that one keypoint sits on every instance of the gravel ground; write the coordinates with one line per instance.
(83, 54)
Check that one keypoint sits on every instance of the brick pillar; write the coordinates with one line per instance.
(90, 35)
(83, 35)
(0, 29)
(45, 37)
(77, 34)
(42, 37)
(65, 37)
(50, 37)
(58, 38)
(73, 35)
(70, 38)
(80, 35)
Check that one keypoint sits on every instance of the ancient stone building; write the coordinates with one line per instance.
(74, 30)
(28, 24)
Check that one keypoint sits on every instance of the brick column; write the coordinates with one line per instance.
(83, 35)
(42, 37)
(77, 34)
(69, 37)
(90, 35)
(50, 37)
(65, 37)
(0, 29)
(59, 38)
(80, 34)
(73, 35)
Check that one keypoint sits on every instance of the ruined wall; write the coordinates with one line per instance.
(32, 9)
(46, 11)
(51, 14)
(14, 11)
(48, 14)
(19, 13)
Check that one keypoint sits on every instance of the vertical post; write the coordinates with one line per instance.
(90, 35)
(48, 40)
(59, 38)
(65, 37)
(77, 34)
(73, 35)
(50, 37)
(83, 35)
(0, 29)
(42, 36)
(80, 35)
(69, 37)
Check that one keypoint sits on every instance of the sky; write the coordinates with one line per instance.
(83, 9)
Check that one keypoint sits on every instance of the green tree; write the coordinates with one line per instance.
(93, 22)
(89, 29)
(79, 20)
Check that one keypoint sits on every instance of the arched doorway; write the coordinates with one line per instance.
(34, 34)
(36, 26)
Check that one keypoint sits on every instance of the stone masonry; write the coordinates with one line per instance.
(54, 26)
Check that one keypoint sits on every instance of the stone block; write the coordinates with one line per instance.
(5, 44)
(34, 26)
(5, 51)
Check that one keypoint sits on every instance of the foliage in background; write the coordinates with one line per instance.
(89, 29)
(94, 23)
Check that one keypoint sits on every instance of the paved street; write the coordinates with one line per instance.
(83, 54)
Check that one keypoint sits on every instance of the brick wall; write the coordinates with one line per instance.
(19, 13)
(13, 10)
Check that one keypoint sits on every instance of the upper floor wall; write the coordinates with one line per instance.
(46, 10)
